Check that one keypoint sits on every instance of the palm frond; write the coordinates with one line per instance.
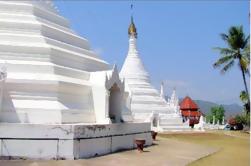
(236, 31)
(238, 49)
(244, 96)
(224, 36)
(223, 60)
(246, 42)
(227, 67)
(246, 52)
(236, 37)
(244, 65)
(246, 58)
(225, 51)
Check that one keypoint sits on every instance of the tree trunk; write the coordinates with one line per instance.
(245, 84)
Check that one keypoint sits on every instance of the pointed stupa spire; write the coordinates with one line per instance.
(133, 67)
(145, 99)
(132, 30)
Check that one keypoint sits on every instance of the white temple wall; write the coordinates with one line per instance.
(98, 146)
(25, 66)
(21, 39)
(101, 105)
(69, 141)
(69, 149)
(72, 48)
(17, 8)
(50, 16)
(122, 142)
(45, 30)
(2, 81)
(65, 37)
(36, 148)
(64, 103)
(57, 58)
(78, 61)
(38, 53)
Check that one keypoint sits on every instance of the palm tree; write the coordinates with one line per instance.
(244, 98)
(238, 50)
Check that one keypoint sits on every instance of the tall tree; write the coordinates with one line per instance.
(218, 112)
(238, 50)
(244, 98)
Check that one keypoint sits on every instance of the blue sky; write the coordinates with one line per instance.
(175, 40)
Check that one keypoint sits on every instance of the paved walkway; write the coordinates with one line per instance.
(166, 152)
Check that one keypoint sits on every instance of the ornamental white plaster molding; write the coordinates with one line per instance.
(112, 77)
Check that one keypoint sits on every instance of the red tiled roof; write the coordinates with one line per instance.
(190, 113)
(188, 103)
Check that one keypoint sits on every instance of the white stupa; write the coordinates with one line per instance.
(147, 104)
(58, 99)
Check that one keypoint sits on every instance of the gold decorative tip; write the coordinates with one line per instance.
(132, 31)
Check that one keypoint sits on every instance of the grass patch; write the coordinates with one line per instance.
(234, 147)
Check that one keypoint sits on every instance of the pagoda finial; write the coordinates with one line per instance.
(132, 31)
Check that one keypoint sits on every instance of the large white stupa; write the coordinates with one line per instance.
(58, 99)
(147, 104)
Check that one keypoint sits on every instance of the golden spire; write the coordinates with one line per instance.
(132, 31)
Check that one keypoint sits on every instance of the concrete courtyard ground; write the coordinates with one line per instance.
(211, 148)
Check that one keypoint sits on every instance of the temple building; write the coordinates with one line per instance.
(146, 103)
(190, 111)
(57, 97)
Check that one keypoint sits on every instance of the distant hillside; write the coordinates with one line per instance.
(231, 109)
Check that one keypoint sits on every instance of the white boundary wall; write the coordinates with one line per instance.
(69, 141)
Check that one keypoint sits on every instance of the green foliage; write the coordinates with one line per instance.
(244, 97)
(209, 118)
(238, 50)
(218, 112)
(243, 119)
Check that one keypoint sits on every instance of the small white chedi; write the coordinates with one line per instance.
(58, 99)
(147, 104)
